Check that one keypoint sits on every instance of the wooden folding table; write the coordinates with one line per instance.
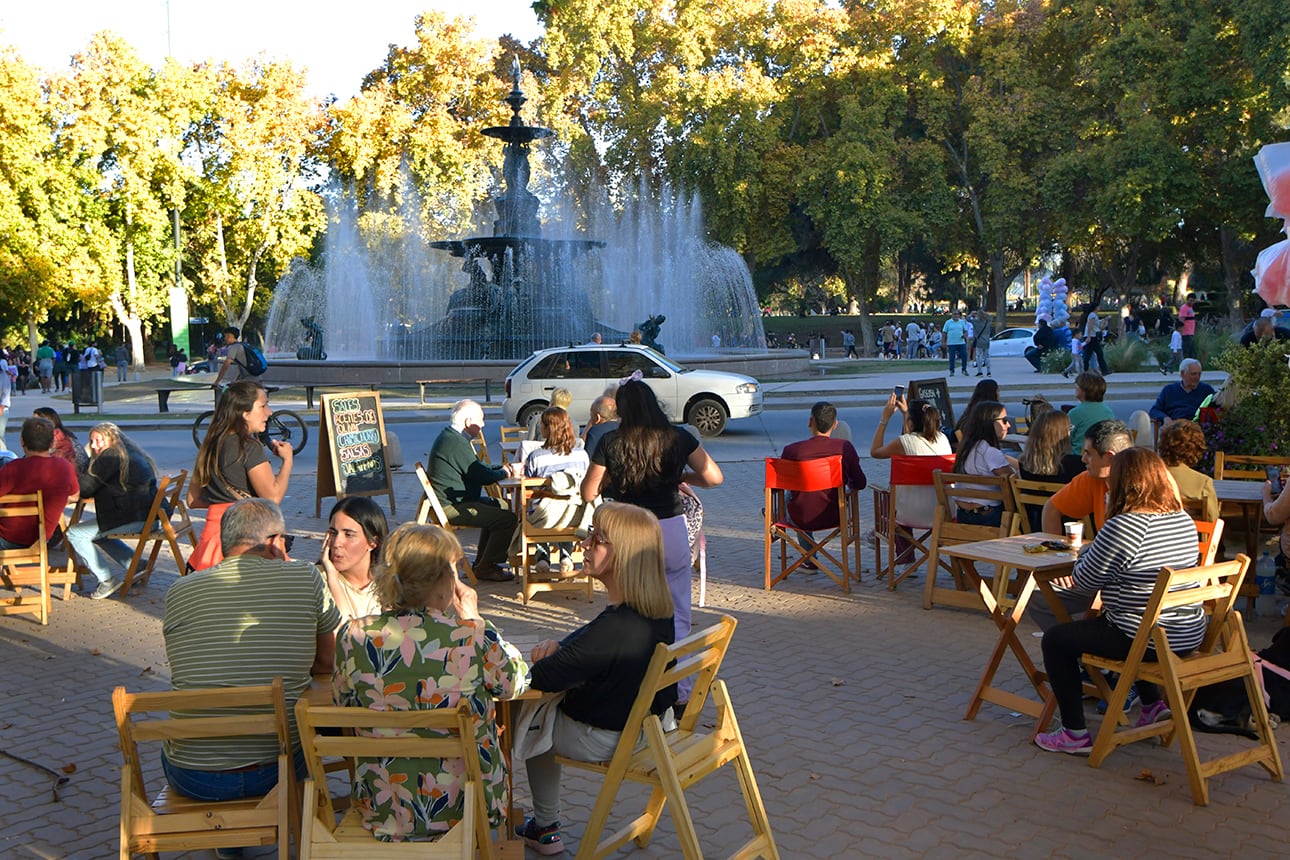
(1043, 567)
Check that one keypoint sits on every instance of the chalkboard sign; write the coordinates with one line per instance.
(351, 452)
(937, 393)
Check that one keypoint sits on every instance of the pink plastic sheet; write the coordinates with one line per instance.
(1272, 274)
(1273, 164)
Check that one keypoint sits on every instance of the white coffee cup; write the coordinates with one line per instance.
(1074, 533)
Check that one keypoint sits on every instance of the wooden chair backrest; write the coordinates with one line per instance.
(1208, 536)
(345, 732)
(1243, 467)
(28, 565)
(431, 510)
(976, 489)
(270, 719)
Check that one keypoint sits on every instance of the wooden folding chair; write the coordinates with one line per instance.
(511, 440)
(1223, 655)
(798, 476)
(351, 734)
(431, 511)
(480, 446)
(534, 538)
(911, 481)
(21, 569)
(1208, 536)
(976, 489)
(1244, 467)
(173, 822)
(670, 762)
(159, 527)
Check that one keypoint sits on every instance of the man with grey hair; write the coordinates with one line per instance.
(255, 616)
(603, 418)
(1182, 399)
(458, 476)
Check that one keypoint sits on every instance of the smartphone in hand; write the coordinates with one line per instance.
(1274, 475)
(899, 391)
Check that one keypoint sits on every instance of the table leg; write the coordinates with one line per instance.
(1007, 621)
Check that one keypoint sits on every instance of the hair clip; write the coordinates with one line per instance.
(636, 376)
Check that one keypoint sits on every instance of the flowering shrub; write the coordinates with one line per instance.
(1255, 418)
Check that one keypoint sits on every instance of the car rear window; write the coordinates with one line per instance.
(568, 365)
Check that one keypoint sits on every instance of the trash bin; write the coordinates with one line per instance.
(85, 390)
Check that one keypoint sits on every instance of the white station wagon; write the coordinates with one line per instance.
(705, 399)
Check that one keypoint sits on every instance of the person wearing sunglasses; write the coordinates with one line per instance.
(601, 665)
(979, 454)
(251, 618)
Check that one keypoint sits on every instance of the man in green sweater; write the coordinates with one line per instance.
(458, 476)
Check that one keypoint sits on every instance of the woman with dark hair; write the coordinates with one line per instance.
(1145, 530)
(601, 665)
(645, 462)
(979, 454)
(231, 464)
(921, 436)
(986, 390)
(430, 649)
(65, 444)
(356, 528)
(1182, 444)
(122, 481)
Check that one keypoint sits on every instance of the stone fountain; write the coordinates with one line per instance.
(517, 290)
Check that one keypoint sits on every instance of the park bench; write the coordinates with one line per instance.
(488, 394)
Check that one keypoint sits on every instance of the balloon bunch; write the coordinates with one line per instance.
(1272, 268)
(1052, 305)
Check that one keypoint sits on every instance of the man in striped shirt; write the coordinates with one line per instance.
(253, 617)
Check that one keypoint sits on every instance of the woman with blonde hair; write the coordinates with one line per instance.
(1146, 529)
(601, 665)
(1047, 455)
(122, 481)
(430, 649)
(231, 464)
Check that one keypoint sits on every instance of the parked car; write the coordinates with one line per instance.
(706, 399)
(1012, 341)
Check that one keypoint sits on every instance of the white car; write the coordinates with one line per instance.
(1012, 341)
(705, 399)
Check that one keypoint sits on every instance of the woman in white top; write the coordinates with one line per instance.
(564, 462)
(922, 434)
(979, 454)
(922, 438)
(356, 529)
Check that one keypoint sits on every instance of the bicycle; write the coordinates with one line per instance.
(283, 425)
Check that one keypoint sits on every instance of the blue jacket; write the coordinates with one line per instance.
(1175, 402)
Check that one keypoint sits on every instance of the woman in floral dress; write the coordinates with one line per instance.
(429, 650)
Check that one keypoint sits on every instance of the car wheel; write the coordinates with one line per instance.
(528, 412)
(708, 417)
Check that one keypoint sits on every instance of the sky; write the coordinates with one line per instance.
(338, 43)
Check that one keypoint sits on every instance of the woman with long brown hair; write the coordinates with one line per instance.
(563, 460)
(231, 464)
(645, 462)
(1146, 529)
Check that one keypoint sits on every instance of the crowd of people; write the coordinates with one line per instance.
(385, 612)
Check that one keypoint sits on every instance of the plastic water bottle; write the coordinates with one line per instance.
(1265, 574)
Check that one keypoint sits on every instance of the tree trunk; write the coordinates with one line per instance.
(128, 315)
(33, 335)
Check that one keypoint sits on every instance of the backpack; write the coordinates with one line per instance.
(255, 364)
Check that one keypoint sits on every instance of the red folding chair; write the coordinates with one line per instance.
(904, 511)
(804, 476)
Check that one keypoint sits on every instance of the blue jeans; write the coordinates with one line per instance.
(89, 544)
(958, 350)
(217, 785)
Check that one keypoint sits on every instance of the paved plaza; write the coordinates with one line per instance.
(851, 705)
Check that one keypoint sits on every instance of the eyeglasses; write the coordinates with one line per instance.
(288, 541)
(1005, 419)
(595, 537)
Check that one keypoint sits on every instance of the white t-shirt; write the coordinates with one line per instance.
(982, 460)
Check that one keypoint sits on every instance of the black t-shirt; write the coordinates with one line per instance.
(236, 459)
(602, 664)
(660, 495)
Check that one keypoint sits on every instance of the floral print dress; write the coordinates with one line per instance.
(424, 659)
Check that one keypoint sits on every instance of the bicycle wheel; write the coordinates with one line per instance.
(201, 425)
(290, 428)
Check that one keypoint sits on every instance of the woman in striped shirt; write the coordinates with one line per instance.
(1146, 530)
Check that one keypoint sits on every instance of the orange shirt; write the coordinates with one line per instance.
(1084, 495)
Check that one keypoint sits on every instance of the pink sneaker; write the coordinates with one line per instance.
(1063, 741)
(1154, 713)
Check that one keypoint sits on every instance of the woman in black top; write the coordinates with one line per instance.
(645, 462)
(601, 665)
(122, 481)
